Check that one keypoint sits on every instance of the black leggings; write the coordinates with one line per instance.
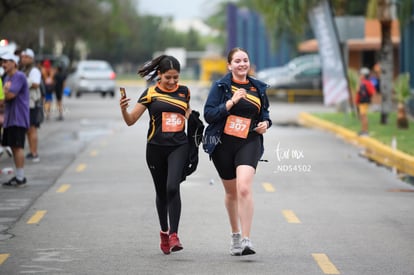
(166, 164)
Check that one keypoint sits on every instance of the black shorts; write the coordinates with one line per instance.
(59, 94)
(232, 152)
(14, 136)
(36, 117)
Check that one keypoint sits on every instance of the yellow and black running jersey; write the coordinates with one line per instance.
(167, 114)
(248, 107)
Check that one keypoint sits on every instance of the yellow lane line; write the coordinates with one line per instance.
(37, 217)
(81, 167)
(268, 187)
(63, 188)
(3, 258)
(93, 153)
(325, 264)
(290, 216)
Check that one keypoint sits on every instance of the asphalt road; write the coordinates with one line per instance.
(89, 206)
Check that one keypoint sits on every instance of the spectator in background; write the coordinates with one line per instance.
(16, 116)
(59, 80)
(375, 77)
(375, 80)
(1, 111)
(34, 78)
(7, 149)
(363, 99)
(48, 75)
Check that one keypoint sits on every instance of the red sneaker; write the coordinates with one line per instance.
(175, 244)
(165, 243)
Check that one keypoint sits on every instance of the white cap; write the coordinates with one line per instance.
(28, 52)
(10, 56)
(364, 71)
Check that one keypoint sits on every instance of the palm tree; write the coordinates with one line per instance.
(385, 15)
(292, 15)
(285, 15)
(385, 12)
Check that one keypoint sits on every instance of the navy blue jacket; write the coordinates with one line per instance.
(215, 112)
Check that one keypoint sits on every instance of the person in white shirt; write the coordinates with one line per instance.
(34, 77)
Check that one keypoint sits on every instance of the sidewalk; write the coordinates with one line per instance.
(397, 160)
(60, 142)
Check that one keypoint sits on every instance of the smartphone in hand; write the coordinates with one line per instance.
(123, 92)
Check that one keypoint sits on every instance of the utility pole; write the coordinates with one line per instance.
(41, 40)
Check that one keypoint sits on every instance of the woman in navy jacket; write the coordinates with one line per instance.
(237, 113)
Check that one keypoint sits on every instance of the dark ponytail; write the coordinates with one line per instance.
(160, 64)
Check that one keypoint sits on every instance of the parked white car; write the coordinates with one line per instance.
(92, 76)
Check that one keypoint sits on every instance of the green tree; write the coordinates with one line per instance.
(13, 8)
(62, 20)
(110, 29)
(75, 23)
(192, 40)
(383, 10)
(217, 21)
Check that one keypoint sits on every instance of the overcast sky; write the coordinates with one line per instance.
(180, 9)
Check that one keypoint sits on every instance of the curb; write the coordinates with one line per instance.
(374, 150)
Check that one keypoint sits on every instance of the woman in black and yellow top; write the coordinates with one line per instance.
(167, 145)
(237, 113)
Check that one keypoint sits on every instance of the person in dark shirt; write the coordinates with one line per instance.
(59, 79)
(167, 145)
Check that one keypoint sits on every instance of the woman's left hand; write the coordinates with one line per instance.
(188, 112)
(262, 127)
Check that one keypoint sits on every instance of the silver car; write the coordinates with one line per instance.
(92, 76)
(302, 72)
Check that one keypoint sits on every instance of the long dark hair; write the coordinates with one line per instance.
(160, 64)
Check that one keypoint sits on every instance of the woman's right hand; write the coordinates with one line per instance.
(124, 103)
(239, 94)
(134, 114)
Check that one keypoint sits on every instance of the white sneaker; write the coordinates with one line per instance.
(34, 158)
(247, 247)
(235, 248)
(9, 151)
